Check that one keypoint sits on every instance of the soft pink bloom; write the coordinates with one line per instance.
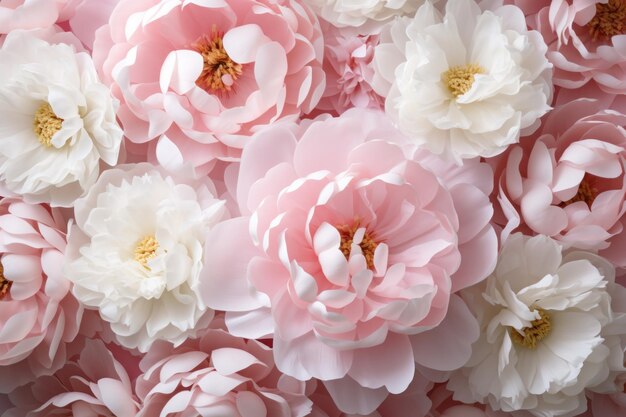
(203, 76)
(218, 375)
(567, 180)
(348, 70)
(413, 402)
(93, 384)
(38, 315)
(444, 406)
(586, 40)
(354, 244)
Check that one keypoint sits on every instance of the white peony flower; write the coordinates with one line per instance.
(57, 121)
(344, 13)
(466, 83)
(136, 252)
(549, 330)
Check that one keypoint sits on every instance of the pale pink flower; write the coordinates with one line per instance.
(38, 315)
(348, 68)
(354, 244)
(586, 40)
(444, 406)
(203, 76)
(567, 180)
(218, 375)
(93, 384)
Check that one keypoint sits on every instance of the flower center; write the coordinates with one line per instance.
(220, 72)
(538, 331)
(459, 79)
(586, 192)
(609, 20)
(367, 244)
(46, 124)
(5, 284)
(146, 250)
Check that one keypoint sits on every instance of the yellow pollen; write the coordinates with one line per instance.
(459, 79)
(220, 71)
(146, 250)
(536, 333)
(46, 124)
(609, 20)
(368, 245)
(5, 284)
(586, 193)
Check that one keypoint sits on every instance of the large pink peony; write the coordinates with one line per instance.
(218, 375)
(94, 383)
(567, 180)
(355, 246)
(38, 315)
(586, 40)
(204, 75)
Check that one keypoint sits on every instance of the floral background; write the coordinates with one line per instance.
(327, 208)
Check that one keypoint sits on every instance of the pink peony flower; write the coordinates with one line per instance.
(203, 76)
(348, 71)
(93, 384)
(585, 40)
(355, 247)
(218, 375)
(444, 406)
(38, 315)
(567, 180)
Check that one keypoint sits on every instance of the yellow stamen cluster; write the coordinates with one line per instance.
(368, 245)
(146, 250)
(609, 20)
(217, 64)
(586, 193)
(5, 284)
(46, 124)
(459, 79)
(540, 328)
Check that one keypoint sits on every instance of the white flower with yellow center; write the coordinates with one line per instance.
(136, 252)
(466, 83)
(57, 121)
(550, 329)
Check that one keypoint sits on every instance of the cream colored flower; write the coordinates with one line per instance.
(550, 329)
(57, 121)
(136, 252)
(465, 83)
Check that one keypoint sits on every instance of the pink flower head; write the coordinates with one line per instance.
(349, 71)
(38, 315)
(93, 384)
(567, 180)
(205, 75)
(218, 375)
(355, 246)
(586, 40)
(444, 406)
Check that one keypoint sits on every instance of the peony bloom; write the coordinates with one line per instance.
(550, 328)
(584, 41)
(135, 252)
(218, 375)
(38, 315)
(443, 405)
(363, 14)
(92, 384)
(466, 83)
(567, 180)
(57, 121)
(349, 253)
(224, 69)
(348, 71)
(32, 14)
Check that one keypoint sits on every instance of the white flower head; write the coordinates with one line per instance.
(362, 14)
(549, 331)
(136, 253)
(464, 84)
(57, 121)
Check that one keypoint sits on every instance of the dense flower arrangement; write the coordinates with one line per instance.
(326, 208)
